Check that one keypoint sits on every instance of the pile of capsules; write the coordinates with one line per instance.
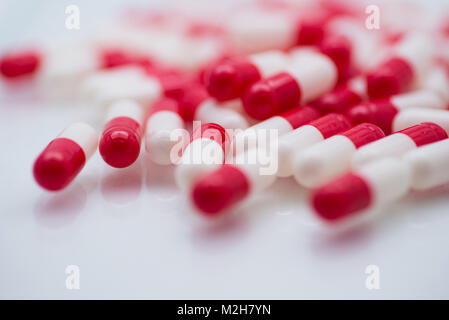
(360, 111)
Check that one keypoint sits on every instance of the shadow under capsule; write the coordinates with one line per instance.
(59, 209)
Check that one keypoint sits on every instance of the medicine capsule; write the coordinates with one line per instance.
(283, 123)
(122, 134)
(408, 118)
(310, 75)
(163, 119)
(229, 79)
(384, 112)
(406, 65)
(196, 104)
(230, 184)
(429, 165)
(341, 98)
(376, 184)
(207, 150)
(305, 136)
(398, 143)
(332, 157)
(65, 156)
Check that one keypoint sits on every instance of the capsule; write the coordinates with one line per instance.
(65, 156)
(163, 119)
(303, 137)
(122, 134)
(410, 60)
(206, 151)
(376, 184)
(196, 104)
(341, 98)
(230, 184)
(408, 118)
(283, 123)
(429, 165)
(384, 112)
(398, 143)
(332, 157)
(229, 79)
(310, 75)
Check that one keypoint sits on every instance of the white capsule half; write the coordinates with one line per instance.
(158, 135)
(388, 179)
(315, 73)
(293, 144)
(201, 156)
(84, 135)
(106, 87)
(323, 161)
(414, 116)
(429, 165)
(270, 62)
(394, 145)
(210, 112)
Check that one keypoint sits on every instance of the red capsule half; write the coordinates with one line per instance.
(120, 142)
(271, 96)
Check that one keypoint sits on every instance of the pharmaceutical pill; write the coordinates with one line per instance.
(206, 151)
(122, 134)
(398, 143)
(305, 136)
(65, 156)
(376, 184)
(332, 157)
(163, 119)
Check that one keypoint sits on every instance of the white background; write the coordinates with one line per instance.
(134, 235)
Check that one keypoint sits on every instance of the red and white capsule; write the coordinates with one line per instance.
(429, 165)
(228, 185)
(207, 150)
(300, 139)
(229, 79)
(376, 184)
(341, 98)
(384, 112)
(310, 75)
(410, 60)
(65, 156)
(411, 117)
(162, 121)
(332, 157)
(398, 143)
(196, 104)
(282, 123)
(122, 134)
